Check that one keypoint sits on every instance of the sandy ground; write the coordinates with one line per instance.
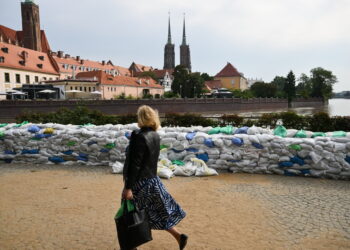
(61, 208)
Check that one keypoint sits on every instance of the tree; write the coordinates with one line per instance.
(180, 78)
(279, 82)
(322, 82)
(185, 84)
(304, 87)
(261, 89)
(206, 77)
(289, 87)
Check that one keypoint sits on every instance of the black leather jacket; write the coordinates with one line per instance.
(142, 156)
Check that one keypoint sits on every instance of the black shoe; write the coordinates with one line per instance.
(183, 241)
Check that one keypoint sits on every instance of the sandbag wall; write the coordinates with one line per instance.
(249, 150)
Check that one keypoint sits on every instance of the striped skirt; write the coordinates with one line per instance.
(163, 211)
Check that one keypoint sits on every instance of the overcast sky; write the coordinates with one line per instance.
(261, 39)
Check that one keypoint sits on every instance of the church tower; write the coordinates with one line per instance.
(185, 56)
(31, 25)
(169, 51)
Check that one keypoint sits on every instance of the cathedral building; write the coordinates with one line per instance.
(185, 56)
(169, 52)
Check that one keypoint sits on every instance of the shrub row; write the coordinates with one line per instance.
(81, 115)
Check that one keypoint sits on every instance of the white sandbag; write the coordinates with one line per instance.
(117, 167)
(188, 169)
(164, 172)
(202, 169)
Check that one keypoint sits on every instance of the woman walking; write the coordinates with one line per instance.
(141, 182)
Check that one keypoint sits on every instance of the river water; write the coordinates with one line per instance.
(335, 107)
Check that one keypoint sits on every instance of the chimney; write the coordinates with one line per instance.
(103, 62)
(81, 61)
(60, 53)
(77, 58)
(67, 56)
(24, 55)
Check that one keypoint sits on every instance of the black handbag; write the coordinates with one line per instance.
(133, 228)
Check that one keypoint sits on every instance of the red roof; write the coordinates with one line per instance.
(26, 59)
(104, 78)
(228, 71)
(213, 84)
(159, 73)
(17, 36)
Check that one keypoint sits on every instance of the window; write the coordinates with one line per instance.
(18, 78)
(44, 78)
(81, 88)
(27, 79)
(7, 77)
(89, 89)
(84, 89)
(37, 79)
(76, 88)
(233, 81)
(2, 59)
(71, 87)
(93, 88)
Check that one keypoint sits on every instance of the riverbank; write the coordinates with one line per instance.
(72, 207)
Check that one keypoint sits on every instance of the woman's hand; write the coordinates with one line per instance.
(127, 194)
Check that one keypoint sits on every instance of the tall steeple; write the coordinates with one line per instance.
(31, 25)
(169, 51)
(184, 33)
(185, 55)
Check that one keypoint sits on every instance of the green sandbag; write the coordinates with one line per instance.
(130, 207)
(3, 125)
(296, 147)
(162, 146)
(86, 125)
(339, 134)
(21, 124)
(280, 131)
(300, 134)
(71, 143)
(2, 134)
(110, 145)
(215, 130)
(316, 134)
(226, 130)
(178, 162)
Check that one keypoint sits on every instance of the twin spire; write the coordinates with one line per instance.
(183, 32)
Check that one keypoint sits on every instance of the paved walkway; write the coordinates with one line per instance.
(58, 207)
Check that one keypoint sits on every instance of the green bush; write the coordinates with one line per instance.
(319, 122)
(187, 120)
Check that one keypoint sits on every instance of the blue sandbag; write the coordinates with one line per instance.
(203, 157)
(30, 151)
(91, 142)
(190, 135)
(84, 155)
(33, 129)
(347, 159)
(56, 159)
(297, 160)
(242, 130)
(41, 136)
(209, 142)
(104, 150)
(287, 173)
(68, 152)
(257, 145)
(305, 171)
(79, 158)
(285, 164)
(234, 160)
(8, 160)
(9, 152)
(237, 141)
(194, 150)
(128, 135)
(177, 151)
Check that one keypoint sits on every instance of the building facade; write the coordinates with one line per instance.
(230, 78)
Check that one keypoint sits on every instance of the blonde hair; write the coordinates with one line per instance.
(148, 117)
